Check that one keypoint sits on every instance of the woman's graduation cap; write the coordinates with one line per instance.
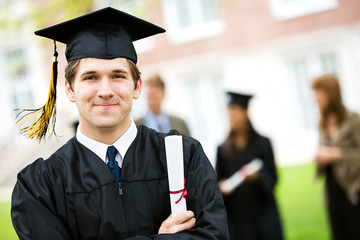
(239, 99)
(106, 34)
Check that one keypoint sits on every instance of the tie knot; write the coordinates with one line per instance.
(111, 152)
(113, 164)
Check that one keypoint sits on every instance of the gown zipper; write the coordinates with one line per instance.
(120, 189)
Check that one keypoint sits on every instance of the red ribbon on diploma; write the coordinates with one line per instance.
(184, 192)
(243, 171)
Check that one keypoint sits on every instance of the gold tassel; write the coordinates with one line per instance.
(46, 114)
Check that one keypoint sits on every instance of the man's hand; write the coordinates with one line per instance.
(182, 221)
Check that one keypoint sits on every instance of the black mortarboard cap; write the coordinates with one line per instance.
(239, 99)
(106, 34)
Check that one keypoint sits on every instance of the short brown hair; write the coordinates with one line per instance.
(156, 81)
(70, 71)
(72, 67)
(329, 84)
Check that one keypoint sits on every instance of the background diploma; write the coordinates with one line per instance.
(239, 176)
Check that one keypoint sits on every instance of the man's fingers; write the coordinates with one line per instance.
(183, 217)
(182, 221)
(190, 223)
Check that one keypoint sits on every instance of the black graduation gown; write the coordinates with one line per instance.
(73, 194)
(251, 208)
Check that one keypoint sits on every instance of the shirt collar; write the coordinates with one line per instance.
(121, 145)
(153, 115)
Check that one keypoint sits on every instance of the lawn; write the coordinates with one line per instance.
(7, 232)
(300, 200)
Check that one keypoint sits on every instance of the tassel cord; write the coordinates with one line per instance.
(46, 115)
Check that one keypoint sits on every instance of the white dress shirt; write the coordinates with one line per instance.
(121, 145)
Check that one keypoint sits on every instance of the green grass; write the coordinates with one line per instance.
(299, 196)
(301, 201)
(7, 231)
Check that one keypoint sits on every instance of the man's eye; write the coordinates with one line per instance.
(118, 76)
(89, 78)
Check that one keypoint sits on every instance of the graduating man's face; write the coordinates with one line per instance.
(103, 91)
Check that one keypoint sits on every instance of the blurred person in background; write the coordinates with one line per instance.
(251, 207)
(338, 158)
(155, 118)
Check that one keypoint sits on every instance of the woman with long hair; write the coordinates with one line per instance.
(338, 158)
(251, 207)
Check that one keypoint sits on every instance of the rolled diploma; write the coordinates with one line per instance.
(175, 167)
(239, 176)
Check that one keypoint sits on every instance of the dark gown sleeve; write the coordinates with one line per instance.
(268, 176)
(204, 199)
(33, 209)
(219, 164)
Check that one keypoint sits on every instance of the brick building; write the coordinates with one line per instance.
(270, 48)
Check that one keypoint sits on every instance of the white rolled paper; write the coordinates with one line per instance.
(175, 168)
(239, 176)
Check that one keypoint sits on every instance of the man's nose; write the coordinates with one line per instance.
(105, 88)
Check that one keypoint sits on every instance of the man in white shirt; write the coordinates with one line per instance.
(155, 118)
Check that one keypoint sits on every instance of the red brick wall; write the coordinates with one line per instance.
(248, 22)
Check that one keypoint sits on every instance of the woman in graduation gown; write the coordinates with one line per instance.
(251, 207)
(74, 194)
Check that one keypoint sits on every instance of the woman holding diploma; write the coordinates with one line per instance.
(110, 180)
(251, 207)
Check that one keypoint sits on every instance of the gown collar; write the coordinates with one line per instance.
(122, 144)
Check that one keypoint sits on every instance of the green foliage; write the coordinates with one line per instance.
(47, 13)
(55, 11)
(42, 13)
(7, 21)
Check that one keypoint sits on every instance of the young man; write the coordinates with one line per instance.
(155, 118)
(110, 180)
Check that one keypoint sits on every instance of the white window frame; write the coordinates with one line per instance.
(20, 94)
(312, 65)
(205, 105)
(287, 9)
(199, 28)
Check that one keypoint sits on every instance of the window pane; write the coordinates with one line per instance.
(302, 72)
(328, 62)
(184, 13)
(18, 76)
(191, 20)
(209, 9)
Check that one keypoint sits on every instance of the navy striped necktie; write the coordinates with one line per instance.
(113, 164)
